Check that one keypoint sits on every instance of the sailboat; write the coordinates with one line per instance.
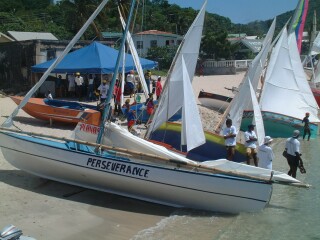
(164, 178)
(286, 95)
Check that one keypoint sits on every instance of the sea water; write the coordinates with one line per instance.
(293, 213)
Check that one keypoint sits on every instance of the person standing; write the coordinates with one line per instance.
(58, 85)
(117, 97)
(265, 154)
(90, 96)
(103, 88)
(131, 82)
(158, 88)
(251, 139)
(71, 85)
(306, 128)
(293, 153)
(79, 85)
(147, 77)
(230, 134)
(131, 119)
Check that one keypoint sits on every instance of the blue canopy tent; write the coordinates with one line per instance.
(94, 58)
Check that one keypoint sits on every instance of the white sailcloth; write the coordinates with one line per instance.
(172, 98)
(316, 45)
(257, 116)
(286, 90)
(242, 99)
(135, 58)
(192, 134)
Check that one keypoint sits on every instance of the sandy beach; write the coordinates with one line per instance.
(50, 210)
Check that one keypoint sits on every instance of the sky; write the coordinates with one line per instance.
(242, 11)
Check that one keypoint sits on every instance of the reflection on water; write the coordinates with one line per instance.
(293, 213)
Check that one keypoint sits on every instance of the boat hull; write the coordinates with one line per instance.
(214, 147)
(277, 125)
(157, 183)
(214, 101)
(37, 108)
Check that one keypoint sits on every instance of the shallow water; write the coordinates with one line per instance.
(293, 213)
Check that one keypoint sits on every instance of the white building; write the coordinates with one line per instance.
(154, 38)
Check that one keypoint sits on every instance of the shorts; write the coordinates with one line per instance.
(250, 151)
(292, 160)
(149, 111)
(131, 123)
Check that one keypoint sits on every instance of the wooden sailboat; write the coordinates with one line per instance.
(164, 177)
(60, 111)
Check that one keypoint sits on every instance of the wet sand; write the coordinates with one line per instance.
(50, 210)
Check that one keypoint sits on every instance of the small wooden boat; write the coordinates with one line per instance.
(214, 101)
(60, 111)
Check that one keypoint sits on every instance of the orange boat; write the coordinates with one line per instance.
(60, 111)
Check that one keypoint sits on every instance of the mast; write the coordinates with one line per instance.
(113, 81)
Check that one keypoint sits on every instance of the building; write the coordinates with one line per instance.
(5, 38)
(247, 44)
(154, 38)
(24, 36)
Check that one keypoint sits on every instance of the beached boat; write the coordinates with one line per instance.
(176, 181)
(164, 177)
(214, 101)
(60, 111)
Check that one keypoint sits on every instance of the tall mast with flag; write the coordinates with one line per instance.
(298, 20)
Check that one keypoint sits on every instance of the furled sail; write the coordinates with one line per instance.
(182, 69)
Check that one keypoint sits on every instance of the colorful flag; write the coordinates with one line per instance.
(298, 21)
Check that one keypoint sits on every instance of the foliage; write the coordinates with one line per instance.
(163, 55)
(66, 18)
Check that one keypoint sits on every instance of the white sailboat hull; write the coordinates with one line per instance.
(159, 183)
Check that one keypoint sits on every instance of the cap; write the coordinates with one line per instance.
(251, 125)
(159, 77)
(104, 80)
(267, 139)
(128, 100)
(77, 73)
(296, 133)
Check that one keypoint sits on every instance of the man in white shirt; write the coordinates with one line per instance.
(293, 153)
(79, 85)
(251, 139)
(130, 81)
(229, 134)
(103, 88)
(265, 154)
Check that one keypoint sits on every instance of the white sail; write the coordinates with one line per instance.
(286, 90)
(242, 99)
(172, 98)
(257, 116)
(135, 58)
(192, 133)
(316, 45)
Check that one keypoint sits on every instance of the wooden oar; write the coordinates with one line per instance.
(190, 164)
